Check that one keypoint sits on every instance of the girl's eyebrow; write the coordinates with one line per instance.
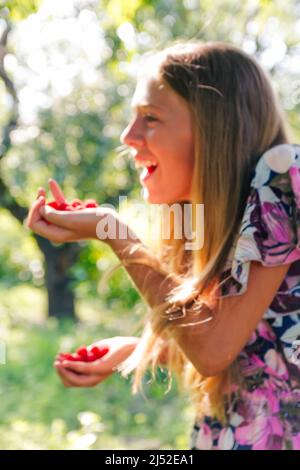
(145, 106)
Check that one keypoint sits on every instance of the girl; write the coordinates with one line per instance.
(224, 316)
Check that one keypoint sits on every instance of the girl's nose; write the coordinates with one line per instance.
(132, 135)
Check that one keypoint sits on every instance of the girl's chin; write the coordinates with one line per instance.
(151, 197)
(156, 198)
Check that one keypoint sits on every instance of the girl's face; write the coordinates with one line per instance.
(161, 136)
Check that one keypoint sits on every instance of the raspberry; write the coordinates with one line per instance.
(99, 352)
(58, 206)
(69, 357)
(90, 203)
(76, 204)
(85, 355)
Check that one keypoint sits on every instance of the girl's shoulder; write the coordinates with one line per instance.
(270, 228)
(277, 163)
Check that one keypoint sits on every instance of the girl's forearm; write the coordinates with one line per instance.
(163, 356)
(155, 286)
(153, 283)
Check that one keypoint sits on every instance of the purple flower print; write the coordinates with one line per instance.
(265, 330)
(263, 433)
(204, 438)
(275, 362)
(226, 439)
(295, 182)
(296, 441)
(264, 414)
(277, 222)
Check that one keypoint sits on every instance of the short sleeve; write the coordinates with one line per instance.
(270, 227)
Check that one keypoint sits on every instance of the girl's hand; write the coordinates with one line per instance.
(61, 226)
(89, 374)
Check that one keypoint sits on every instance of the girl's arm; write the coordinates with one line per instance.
(211, 346)
(89, 374)
(83, 374)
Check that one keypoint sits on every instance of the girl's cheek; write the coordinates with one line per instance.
(152, 135)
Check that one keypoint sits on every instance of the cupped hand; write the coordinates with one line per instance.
(89, 374)
(61, 226)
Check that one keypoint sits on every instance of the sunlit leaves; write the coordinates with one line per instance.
(75, 75)
(19, 9)
(121, 11)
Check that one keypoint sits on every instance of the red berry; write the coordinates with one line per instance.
(76, 204)
(90, 203)
(99, 352)
(53, 204)
(83, 353)
(91, 357)
(76, 357)
(69, 357)
(62, 206)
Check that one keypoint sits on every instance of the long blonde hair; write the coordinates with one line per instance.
(236, 118)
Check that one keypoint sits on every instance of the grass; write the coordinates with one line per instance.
(37, 412)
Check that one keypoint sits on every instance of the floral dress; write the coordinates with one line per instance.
(266, 414)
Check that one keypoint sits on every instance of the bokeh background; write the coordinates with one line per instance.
(67, 73)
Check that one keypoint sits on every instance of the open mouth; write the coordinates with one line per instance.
(148, 168)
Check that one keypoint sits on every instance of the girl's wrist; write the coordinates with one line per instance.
(106, 223)
(115, 232)
(85, 224)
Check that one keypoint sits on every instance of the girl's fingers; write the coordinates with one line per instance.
(41, 192)
(75, 221)
(34, 214)
(56, 191)
(76, 380)
(87, 368)
(37, 224)
(61, 374)
(62, 219)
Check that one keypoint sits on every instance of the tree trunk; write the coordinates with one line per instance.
(61, 301)
(58, 261)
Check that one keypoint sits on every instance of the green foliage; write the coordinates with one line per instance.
(72, 146)
(20, 259)
(95, 261)
(75, 139)
(39, 413)
(123, 11)
(20, 9)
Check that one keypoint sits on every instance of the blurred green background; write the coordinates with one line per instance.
(67, 72)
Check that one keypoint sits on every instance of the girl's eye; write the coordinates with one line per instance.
(150, 118)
